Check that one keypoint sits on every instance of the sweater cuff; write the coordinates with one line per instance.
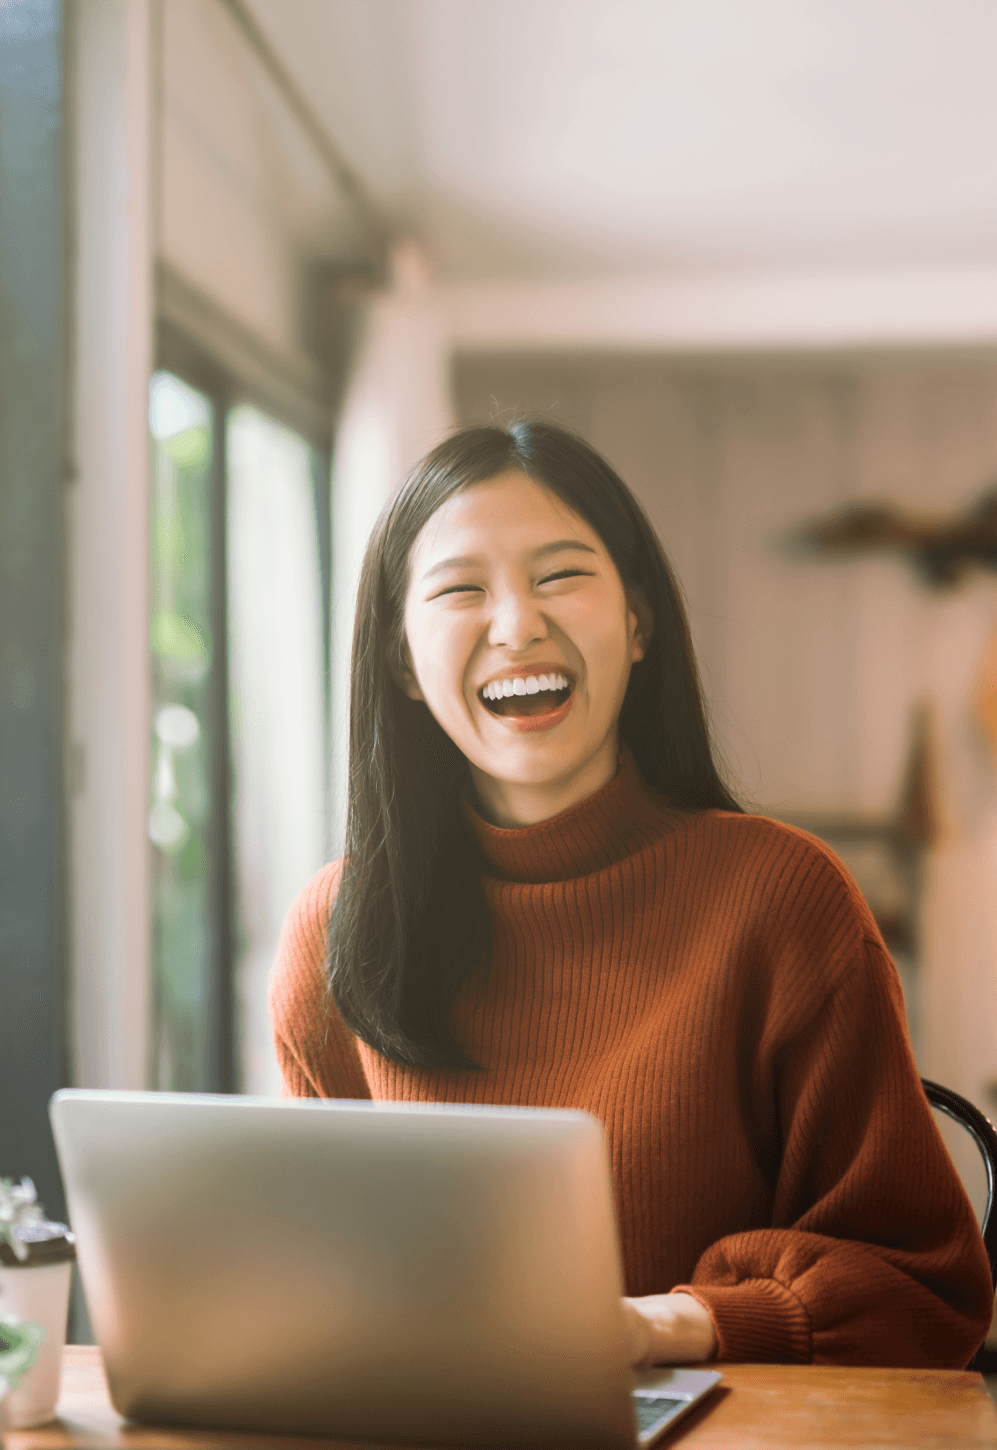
(757, 1320)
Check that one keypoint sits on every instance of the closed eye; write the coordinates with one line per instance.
(547, 579)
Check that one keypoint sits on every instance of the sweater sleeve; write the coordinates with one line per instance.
(317, 1053)
(874, 1255)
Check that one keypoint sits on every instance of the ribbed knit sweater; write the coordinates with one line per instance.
(712, 987)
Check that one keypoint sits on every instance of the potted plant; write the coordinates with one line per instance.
(36, 1261)
(19, 1345)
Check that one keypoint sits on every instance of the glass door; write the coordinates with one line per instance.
(238, 792)
(277, 702)
(184, 798)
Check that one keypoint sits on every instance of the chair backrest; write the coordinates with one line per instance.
(981, 1130)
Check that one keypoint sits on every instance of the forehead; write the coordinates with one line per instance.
(510, 514)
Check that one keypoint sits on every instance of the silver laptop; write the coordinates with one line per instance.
(443, 1275)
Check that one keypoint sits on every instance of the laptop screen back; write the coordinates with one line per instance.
(350, 1268)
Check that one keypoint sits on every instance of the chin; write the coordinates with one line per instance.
(553, 767)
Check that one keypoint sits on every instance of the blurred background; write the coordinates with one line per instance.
(257, 256)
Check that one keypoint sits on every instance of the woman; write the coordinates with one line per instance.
(549, 897)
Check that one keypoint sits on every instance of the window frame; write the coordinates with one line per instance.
(232, 376)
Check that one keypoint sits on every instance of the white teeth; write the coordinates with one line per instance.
(524, 685)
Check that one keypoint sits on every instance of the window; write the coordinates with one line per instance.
(238, 809)
(277, 670)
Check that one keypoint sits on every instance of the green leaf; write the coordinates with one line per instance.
(172, 636)
(189, 449)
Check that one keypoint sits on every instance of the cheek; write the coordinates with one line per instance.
(440, 648)
(420, 650)
(604, 637)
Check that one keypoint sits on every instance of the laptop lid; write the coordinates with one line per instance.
(419, 1273)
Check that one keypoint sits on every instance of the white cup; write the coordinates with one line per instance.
(39, 1294)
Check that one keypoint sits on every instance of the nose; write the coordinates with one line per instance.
(516, 620)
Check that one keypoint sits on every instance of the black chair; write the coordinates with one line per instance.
(981, 1130)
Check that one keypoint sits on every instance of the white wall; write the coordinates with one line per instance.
(108, 663)
(397, 407)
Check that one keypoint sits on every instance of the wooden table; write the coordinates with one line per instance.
(758, 1405)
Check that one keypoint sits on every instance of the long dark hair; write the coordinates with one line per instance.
(411, 920)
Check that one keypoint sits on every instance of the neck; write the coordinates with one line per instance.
(513, 805)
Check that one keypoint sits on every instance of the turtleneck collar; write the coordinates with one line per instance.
(622, 818)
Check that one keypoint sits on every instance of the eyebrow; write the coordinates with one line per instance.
(466, 561)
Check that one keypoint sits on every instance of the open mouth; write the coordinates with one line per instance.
(526, 695)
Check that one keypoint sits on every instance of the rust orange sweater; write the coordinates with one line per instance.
(713, 988)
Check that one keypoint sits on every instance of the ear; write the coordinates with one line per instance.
(641, 622)
(405, 675)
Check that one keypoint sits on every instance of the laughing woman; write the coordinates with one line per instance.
(550, 898)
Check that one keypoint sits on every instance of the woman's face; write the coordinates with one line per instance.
(520, 639)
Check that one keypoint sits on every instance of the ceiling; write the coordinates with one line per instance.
(540, 138)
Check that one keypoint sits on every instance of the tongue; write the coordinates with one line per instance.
(540, 704)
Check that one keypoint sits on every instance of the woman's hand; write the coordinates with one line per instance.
(669, 1329)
